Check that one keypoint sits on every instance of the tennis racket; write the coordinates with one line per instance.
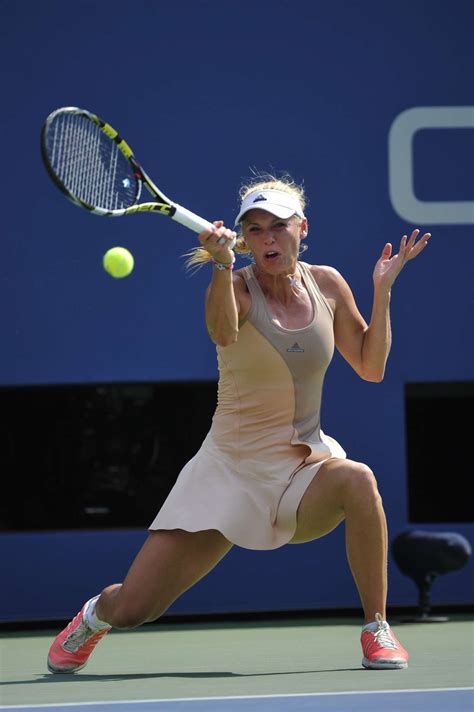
(96, 169)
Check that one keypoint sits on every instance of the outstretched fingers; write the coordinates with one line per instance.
(413, 248)
(389, 267)
(387, 251)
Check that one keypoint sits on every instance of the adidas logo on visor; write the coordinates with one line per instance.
(279, 203)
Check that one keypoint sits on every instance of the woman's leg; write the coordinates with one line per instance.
(344, 489)
(168, 564)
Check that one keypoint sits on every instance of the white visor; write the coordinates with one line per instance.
(277, 202)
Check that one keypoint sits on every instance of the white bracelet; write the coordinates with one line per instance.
(224, 265)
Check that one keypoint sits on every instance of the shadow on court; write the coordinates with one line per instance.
(74, 677)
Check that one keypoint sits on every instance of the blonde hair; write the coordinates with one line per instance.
(198, 256)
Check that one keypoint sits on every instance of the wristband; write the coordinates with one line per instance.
(223, 265)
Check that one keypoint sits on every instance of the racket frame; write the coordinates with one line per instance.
(161, 204)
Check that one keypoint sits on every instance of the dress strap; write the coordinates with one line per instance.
(257, 309)
(313, 286)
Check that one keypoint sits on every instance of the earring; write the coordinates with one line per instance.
(303, 248)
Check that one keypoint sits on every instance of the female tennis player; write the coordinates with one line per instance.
(266, 474)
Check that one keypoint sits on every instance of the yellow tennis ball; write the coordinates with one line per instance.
(118, 262)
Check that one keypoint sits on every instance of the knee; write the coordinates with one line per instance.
(361, 482)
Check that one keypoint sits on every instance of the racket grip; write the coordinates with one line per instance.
(193, 222)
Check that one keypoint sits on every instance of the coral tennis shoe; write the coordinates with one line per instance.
(381, 649)
(72, 648)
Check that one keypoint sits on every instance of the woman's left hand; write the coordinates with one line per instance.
(388, 268)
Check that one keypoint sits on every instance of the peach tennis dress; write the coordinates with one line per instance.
(265, 444)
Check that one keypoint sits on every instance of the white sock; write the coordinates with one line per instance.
(371, 626)
(91, 618)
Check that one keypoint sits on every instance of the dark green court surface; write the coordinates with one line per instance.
(281, 660)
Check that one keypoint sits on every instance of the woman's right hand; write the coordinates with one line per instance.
(219, 242)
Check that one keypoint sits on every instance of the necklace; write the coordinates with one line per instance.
(292, 279)
(294, 282)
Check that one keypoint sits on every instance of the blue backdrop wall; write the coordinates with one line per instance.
(366, 102)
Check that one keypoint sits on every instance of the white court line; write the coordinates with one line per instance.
(235, 697)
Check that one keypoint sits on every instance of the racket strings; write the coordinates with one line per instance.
(89, 164)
